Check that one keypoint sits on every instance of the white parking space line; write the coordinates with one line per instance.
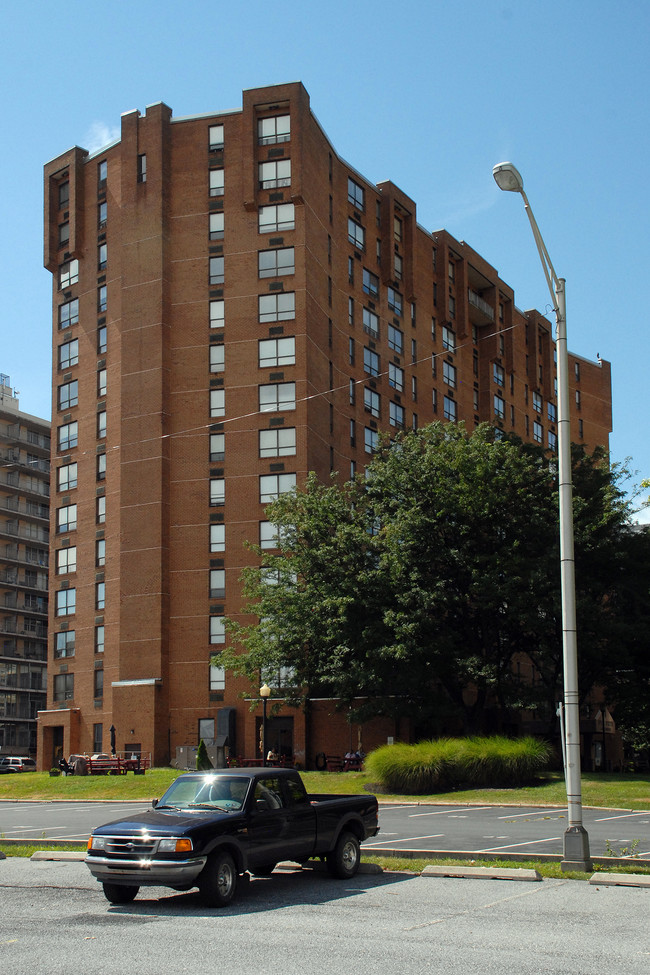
(630, 815)
(448, 812)
(511, 846)
(535, 812)
(36, 829)
(407, 839)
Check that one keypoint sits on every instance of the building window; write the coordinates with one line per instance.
(64, 234)
(448, 339)
(100, 552)
(279, 442)
(217, 358)
(217, 224)
(217, 629)
(217, 446)
(68, 274)
(66, 601)
(274, 174)
(499, 407)
(66, 560)
(372, 402)
(273, 485)
(273, 263)
(276, 352)
(102, 174)
(395, 339)
(67, 477)
(356, 194)
(98, 737)
(102, 298)
(449, 409)
(276, 397)
(69, 313)
(371, 362)
(101, 382)
(102, 339)
(395, 301)
(98, 684)
(99, 639)
(64, 194)
(217, 402)
(100, 510)
(370, 283)
(215, 137)
(397, 229)
(356, 234)
(217, 313)
(279, 307)
(537, 402)
(217, 538)
(274, 129)
(64, 643)
(67, 436)
(101, 424)
(102, 256)
(217, 182)
(217, 270)
(69, 354)
(395, 377)
(370, 323)
(396, 415)
(538, 432)
(498, 374)
(100, 595)
(371, 440)
(102, 215)
(449, 374)
(551, 412)
(269, 535)
(397, 267)
(63, 687)
(217, 491)
(217, 583)
(552, 441)
(278, 216)
(142, 168)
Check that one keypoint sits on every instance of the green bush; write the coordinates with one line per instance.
(453, 763)
(203, 763)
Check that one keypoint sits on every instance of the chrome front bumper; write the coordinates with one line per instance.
(144, 872)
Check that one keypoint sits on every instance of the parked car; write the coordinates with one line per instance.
(17, 764)
(209, 828)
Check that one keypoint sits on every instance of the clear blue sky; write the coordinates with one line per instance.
(429, 94)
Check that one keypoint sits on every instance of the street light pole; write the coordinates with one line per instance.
(576, 840)
(265, 692)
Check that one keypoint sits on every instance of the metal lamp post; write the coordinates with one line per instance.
(265, 693)
(576, 841)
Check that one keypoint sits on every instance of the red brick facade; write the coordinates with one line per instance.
(197, 239)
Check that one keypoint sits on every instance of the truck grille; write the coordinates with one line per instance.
(131, 845)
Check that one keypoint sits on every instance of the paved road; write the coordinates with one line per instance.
(494, 829)
(55, 919)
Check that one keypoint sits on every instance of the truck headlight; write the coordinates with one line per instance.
(96, 843)
(175, 844)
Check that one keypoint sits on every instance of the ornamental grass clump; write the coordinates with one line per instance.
(452, 763)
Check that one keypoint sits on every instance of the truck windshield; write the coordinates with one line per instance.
(206, 792)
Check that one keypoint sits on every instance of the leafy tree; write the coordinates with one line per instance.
(203, 763)
(418, 587)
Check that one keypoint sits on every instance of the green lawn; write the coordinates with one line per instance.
(609, 790)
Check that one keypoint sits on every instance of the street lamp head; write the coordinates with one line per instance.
(508, 177)
(265, 691)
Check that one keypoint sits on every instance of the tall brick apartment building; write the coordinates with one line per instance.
(233, 306)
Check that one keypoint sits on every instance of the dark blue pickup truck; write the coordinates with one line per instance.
(209, 828)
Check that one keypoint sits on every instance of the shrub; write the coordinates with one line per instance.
(203, 763)
(453, 763)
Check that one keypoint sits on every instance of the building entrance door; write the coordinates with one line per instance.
(279, 737)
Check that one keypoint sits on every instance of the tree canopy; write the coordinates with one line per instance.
(430, 587)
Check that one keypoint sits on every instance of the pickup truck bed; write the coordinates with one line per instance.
(210, 828)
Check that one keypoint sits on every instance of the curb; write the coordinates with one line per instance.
(485, 873)
(620, 880)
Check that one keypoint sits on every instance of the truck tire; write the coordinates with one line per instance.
(119, 893)
(343, 861)
(218, 880)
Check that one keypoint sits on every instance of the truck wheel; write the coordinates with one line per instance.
(343, 861)
(119, 894)
(218, 880)
(264, 870)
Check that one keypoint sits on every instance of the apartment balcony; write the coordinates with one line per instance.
(34, 581)
(10, 626)
(14, 529)
(480, 311)
(14, 553)
(27, 509)
(15, 458)
(16, 434)
(23, 650)
(24, 604)
(25, 486)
